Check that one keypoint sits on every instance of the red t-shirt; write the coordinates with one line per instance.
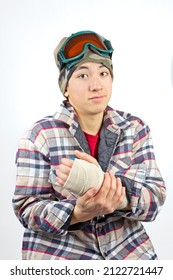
(93, 141)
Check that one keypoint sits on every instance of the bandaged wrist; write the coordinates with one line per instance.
(83, 176)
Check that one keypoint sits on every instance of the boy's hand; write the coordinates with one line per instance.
(97, 203)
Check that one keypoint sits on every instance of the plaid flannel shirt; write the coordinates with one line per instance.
(44, 208)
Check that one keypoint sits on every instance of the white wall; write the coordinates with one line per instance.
(141, 33)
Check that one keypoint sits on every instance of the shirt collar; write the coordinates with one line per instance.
(113, 119)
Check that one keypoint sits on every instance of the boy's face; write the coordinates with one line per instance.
(89, 88)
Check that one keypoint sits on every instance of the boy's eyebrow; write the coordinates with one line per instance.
(81, 67)
(86, 67)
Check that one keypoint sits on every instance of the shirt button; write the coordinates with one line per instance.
(99, 228)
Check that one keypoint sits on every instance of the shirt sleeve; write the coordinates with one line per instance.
(145, 187)
(34, 201)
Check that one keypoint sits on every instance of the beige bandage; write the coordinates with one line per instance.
(84, 175)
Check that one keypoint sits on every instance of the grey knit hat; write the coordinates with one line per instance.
(89, 56)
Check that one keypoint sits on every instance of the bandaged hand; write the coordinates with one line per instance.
(81, 174)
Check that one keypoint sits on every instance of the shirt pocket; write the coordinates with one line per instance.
(124, 167)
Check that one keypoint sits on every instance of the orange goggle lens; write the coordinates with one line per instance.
(75, 45)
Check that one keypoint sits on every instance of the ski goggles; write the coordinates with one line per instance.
(75, 46)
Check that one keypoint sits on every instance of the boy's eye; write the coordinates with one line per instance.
(83, 76)
(104, 73)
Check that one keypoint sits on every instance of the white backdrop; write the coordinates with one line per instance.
(141, 32)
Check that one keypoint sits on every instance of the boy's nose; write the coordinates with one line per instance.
(95, 84)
